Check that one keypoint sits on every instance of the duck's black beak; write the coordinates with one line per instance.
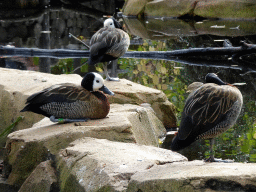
(106, 90)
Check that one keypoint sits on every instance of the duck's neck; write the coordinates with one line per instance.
(100, 96)
(105, 106)
(215, 80)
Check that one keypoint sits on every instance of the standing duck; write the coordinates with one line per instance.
(72, 103)
(108, 44)
(210, 110)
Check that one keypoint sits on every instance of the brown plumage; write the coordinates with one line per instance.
(210, 110)
(72, 101)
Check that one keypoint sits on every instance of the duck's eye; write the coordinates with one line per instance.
(111, 23)
(97, 81)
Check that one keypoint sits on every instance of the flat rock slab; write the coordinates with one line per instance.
(99, 164)
(125, 123)
(195, 176)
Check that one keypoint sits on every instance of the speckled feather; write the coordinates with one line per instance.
(68, 101)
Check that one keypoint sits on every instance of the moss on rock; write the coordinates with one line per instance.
(23, 159)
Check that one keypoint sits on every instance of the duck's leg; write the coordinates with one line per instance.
(61, 120)
(114, 68)
(105, 66)
(211, 158)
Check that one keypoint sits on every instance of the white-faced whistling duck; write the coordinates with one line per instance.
(72, 103)
(108, 44)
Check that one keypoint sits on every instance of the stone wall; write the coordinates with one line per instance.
(23, 26)
(27, 33)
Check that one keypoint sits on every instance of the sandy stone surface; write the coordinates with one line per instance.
(99, 164)
(196, 176)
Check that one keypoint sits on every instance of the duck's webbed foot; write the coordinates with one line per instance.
(210, 159)
(61, 120)
(112, 78)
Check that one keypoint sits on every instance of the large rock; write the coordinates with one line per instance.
(42, 179)
(6, 187)
(134, 7)
(231, 9)
(168, 8)
(228, 9)
(101, 165)
(195, 176)
(125, 123)
(134, 93)
(17, 85)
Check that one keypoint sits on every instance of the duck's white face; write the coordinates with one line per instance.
(97, 82)
(109, 23)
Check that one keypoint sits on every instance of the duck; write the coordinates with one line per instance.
(67, 102)
(210, 110)
(108, 44)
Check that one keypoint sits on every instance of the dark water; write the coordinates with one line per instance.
(49, 29)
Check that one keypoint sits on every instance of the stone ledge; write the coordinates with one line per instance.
(196, 176)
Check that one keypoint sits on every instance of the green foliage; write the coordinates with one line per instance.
(9, 129)
(65, 66)
(35, 60)
(84, 68)
(160, 74)
(239, 142)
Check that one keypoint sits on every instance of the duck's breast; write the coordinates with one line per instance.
(99, 106)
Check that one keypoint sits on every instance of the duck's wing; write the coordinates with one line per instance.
(66, 92)
(107, 40)
(205, 108)
(107, 36)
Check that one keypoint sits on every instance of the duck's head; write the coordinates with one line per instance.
(112, 23)
(94, 82)
(213, 78)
